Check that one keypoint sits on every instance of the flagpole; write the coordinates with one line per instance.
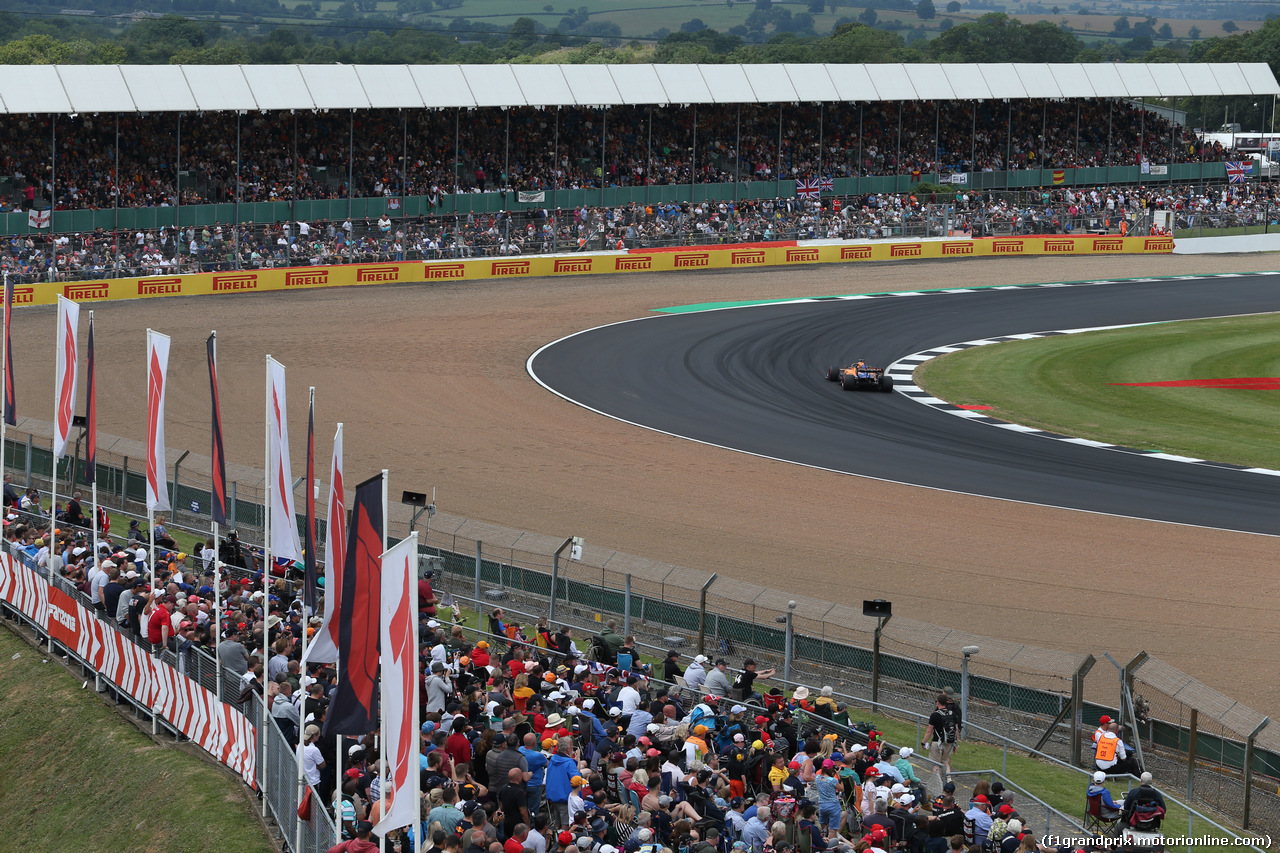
(217, 508)
(53, 497)
(382, 699)
(217, 614)
(306, 619)
(91, 414)
(4, 372)
(266, 574)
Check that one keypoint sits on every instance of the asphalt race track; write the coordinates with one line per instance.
(752, 379)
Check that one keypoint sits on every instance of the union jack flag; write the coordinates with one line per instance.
(1237, 170)
(828, 185)
(808, 188)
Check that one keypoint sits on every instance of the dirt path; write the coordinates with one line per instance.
(430, 381)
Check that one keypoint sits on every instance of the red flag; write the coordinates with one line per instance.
(68, 367)
(157, 376)
(91, 420)
(399, 637)
(352, 711)
(309, 547)
(324, 645)
(10, 402)
(218, 460)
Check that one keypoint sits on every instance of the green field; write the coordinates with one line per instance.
(80, 778)
(1065, 384)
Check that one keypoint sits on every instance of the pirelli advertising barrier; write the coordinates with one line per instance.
(743, 256)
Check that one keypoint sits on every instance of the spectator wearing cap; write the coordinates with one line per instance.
(950, 814)
(745, 683)
(696, 674)
(717, 682)
(905, 769)
(886, 767)
(437, 689)
(828, 786)
(447, 813)
(312, 758)
(671, 667)
(978, 821)
(359, 844)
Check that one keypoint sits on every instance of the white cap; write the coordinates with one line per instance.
(700, 659)
(907, 799)
(431, 623)
(906, 752)
(1099, 777)
(737, 709)
(898, 788)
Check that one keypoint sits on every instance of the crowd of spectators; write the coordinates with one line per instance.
(285, 155)
(104, 254)
(534, 739)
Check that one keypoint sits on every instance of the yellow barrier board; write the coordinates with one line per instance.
(474, 269)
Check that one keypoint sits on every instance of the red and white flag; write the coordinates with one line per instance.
(68, 373)
(284, 522)
(324, 645)
(399, 639)
(157, 380)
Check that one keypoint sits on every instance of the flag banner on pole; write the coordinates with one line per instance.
(828, 185)
(157, 379)
(1059, 176)
(91, 419)
(10, 402)
(399, 638)
(353, 708)
(530, 197)
(218, 507)
(808, 188)
(1237, 170)
(39, 218)
(324, 645)
(284, 521)
(309, 547)
(68, 368)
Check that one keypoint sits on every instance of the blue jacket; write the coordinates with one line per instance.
(560, 770)
(537, 765)
(1107, 803)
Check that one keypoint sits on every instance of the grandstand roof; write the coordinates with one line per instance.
(161, 88)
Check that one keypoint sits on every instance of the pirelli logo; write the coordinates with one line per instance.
(965, 248)
(24, 295)
(1052, 247)
(1109, 244)
(510, 268)
(801, 256)
(369, 275)
(906, 250)
(159, 286)
(93, 290)
(695, 259)
(309, 278)
(750, 256)
(438, 271)
(855, 253)
(243, 281)
(1153, 244)
(1007, 247)
(572, 265)
(631, 263)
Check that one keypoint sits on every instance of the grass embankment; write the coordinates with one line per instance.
(79, 778)
(1068, 384)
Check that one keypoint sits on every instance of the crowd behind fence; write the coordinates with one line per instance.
(663, 601)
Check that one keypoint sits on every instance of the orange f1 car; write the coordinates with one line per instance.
(859, 377)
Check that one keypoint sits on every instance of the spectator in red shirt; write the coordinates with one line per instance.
(515, 844)
(159, 625)
(457, 745)
(359, 844)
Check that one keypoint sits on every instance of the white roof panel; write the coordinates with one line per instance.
(96, 88)
(770, 84)
(930, 82)
(966, 81)
(638, 84)
(1259, 78)
(33, 89)
(1038, 80)
(158, 88)
(442, 86)
(278, 87)
(892, 82)
(389, 87)
(1071, 80)
(1169, 80)
(592, 85)
(811, 82)
(493, 85)
(1106, 81)
(1200, 78)
(334, 87)
(219, 87)
(853, 83)
(728, 84)
(1003, 80)
(542, 85)
(683, 84)
(1230, 78)
(1137, 79)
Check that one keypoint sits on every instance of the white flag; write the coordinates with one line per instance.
(284, 522)
(529, 197)
(398, 633)
(68, 373)
(324, 645)
(38, 218)
(157, 379)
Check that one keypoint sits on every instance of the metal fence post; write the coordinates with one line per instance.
(1191, 753)
(702, 613)
(555, 577)
(479, 607)
(29, 460)
(626, 606)
(231, 503)
(1248, 771)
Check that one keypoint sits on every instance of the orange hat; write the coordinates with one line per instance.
(464, 660)
(483, 644)
(550, 676)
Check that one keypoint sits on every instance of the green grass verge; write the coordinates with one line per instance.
(1067, 384)
(79, 778)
